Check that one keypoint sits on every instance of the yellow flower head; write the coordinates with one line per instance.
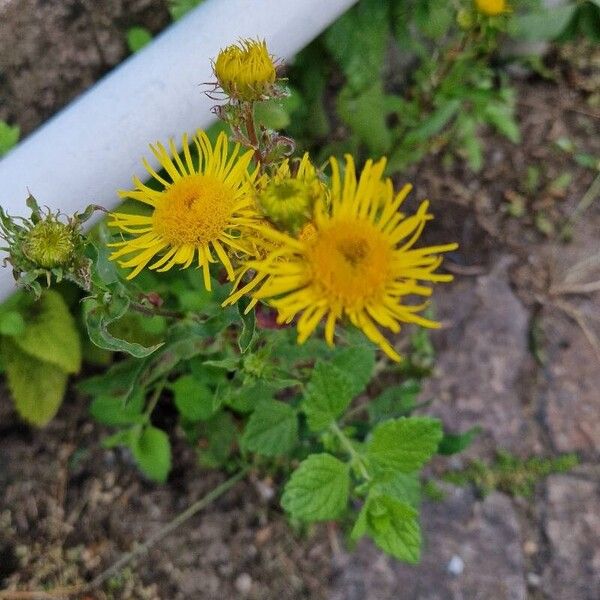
(288, 199)
(245, 71)
(492, 8)
(200, 209)
(357, 261)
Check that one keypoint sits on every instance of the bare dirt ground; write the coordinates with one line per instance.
(512, 357)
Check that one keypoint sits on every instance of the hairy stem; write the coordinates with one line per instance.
(248, 115)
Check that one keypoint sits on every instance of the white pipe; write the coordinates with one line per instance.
(94, 146)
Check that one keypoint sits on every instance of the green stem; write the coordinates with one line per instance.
(160, 386)
(356, 457)
(155, 312)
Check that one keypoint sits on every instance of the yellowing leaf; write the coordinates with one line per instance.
(50, 334)
(37, 387)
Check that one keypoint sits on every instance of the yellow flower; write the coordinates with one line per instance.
(199, 210)
(358, 260)
(492, 8)
(245, 71)
(288, 199)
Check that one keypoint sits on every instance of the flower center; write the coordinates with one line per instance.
(351, 261)
(194, 210)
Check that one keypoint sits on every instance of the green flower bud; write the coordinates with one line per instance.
(288, 198)
(50, 244)
(44, 247)
(288, 203)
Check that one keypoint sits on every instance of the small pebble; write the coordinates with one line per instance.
(530, 547)
(243, 584)
(456, 565)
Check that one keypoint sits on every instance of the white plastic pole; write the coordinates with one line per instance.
(94, 146)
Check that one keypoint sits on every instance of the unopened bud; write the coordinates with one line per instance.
(288, 200)
(50, 244)
(246, 71)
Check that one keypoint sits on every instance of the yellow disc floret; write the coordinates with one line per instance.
(195, 211)
(345, 252)
(246, 71)
(200, 210)
(492, 8)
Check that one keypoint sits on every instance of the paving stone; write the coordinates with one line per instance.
(570, 397)
(570, 390)
(483, 363)
(572, 527)
(483, 537)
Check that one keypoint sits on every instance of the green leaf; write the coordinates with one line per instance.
(246, 398)
(105, 271)
(403, 445)
(588, 21)
(119, 381)
(113, 411)
(435, 122)
(311, 75)
(37, 387)
(501, 116)
(220, 433)
(9, 136)
(393, 525)
(365, 113)
(434, 17)
(328, 394)
(545, 24)
(99, 315)
(272, 114)
(318, 489)
(272, 429)
(179, 8)
(231, 363)
(358, 41)
(395, 401)
(137, 38)
(248, 327)
(125, 437)
(452, 443)
(405, 487)
(11, 323)
(194, 400)
(152, 452)
(468, 142)
(357, 363)
(51, 334)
